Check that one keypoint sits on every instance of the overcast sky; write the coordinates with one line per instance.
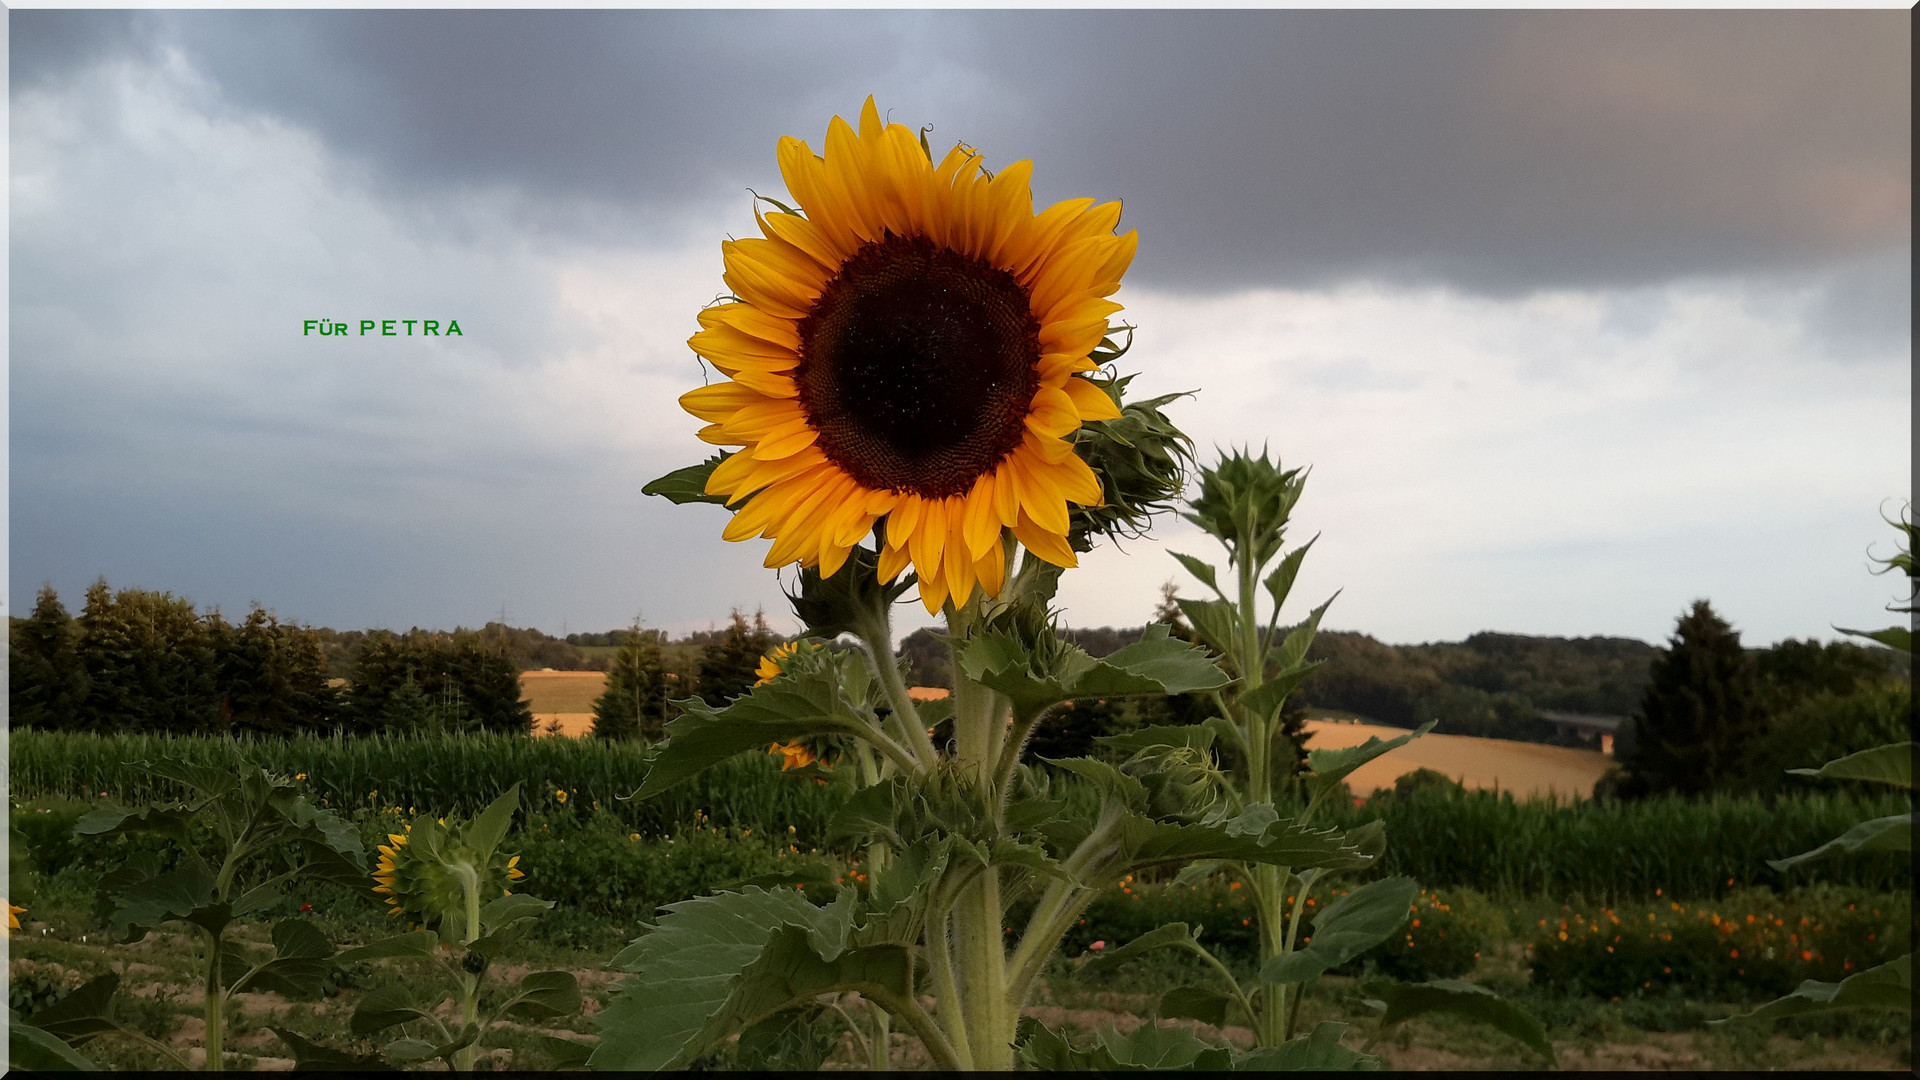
(1576, 316)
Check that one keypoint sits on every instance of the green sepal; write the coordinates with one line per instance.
(490, 827)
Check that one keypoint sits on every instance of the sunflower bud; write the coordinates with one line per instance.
(1244, 502)
(1141, 459)
(1181, 781)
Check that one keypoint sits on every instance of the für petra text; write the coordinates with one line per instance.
(385, 328)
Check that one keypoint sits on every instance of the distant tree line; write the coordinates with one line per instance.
(139, 660)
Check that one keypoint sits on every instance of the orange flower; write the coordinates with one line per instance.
(797, 756)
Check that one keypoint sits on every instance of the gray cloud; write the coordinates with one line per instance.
(1498, 151)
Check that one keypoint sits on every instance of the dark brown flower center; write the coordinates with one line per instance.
(917, 366)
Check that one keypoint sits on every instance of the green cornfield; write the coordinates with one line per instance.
(1596, 851)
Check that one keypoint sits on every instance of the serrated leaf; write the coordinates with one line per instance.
(173, 821)
(1467, 1000)
(689, 485)
(205, 780)
(415, 944)
(1213, 622)
(1894, 833)
(686, 967)
(798, 705)
(384, 1008)
(1349, 926)
(329, 829)
(1196, 1003)
(1198, 736)
(36, 1050)
(185, 893)
(1151, 1046)
(1207, 574)
(1329, 767)
(1886, 988)
(1156, 664)
(546, 994)
(1317, 1051)
(1146, 842)
(309, 1056)
(1892, 764)
(1173, 665)
(1105, 778)
(1280, 582)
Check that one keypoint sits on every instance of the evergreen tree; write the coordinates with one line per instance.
(151, 663)
(273, 677)
(730, 666)
(1699, 713)
(48, 684)
(488, 683)
(408, 711)
(633, 706)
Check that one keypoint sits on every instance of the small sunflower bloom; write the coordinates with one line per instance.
(796, 755)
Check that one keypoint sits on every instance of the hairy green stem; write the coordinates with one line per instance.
(215, 1002)
(946, 991)
(464, 1057)
(938, 1048)
(876, 640)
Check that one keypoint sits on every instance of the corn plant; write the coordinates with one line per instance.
(453, 882)
(240, 839)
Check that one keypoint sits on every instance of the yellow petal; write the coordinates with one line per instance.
(1052, 413)
(991, 569)
(719, 401)
(1045, 544)
(892, 561)
(982, 527)
(753, 322)
(930, 538)
(788, 438)
(1091, 402)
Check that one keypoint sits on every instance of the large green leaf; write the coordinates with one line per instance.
(1213, 622)
(1347, 927)
(1293, 650)
(1149, 1046)
(37, 1050)
(1170, 936)
(1146, 842)
(1197, 1003)
(302, 959)
(1466, 1000)
(172, 821)
(566, 1053)
(383, 1008)
(310, 1056)
(1318, 1050)
(416, 944)
(1156, 664)
(1330, 767)
(689, 485)
(490, 827)
(185, 893)
(1891, 764)
(1896, 637)
(82, 1014)
(1894, 833)
(686, 969)
(1198, 736)
(797, 705)
(545, 994)
(1887, 988)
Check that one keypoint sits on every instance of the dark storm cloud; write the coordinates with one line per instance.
(1499, 151)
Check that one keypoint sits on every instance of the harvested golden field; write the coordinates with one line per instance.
(565, 697)
(1526, 769)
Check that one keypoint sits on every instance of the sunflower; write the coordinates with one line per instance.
(795, 755)
(14, 911)
(908, 347)
(774, 664)
(422, 874)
